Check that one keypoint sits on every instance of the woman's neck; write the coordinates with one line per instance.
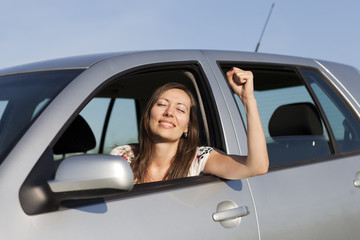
(163, 153)
(160, 161)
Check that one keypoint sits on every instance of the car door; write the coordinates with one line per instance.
(310, 191)
(178, 209)
(316, 199)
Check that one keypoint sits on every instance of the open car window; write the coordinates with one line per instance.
(304, 119)
(112, 116)
(294, 129)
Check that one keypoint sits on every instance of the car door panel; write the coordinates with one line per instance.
(317, 201)
(312, 199)
(184, 213)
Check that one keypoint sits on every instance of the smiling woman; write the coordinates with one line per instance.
(169, 137)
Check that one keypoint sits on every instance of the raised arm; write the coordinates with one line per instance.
(257, 161)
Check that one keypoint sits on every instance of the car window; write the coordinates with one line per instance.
(112, 121)
(39, 107)
(344, 125)
(292, 124)
(23, 97)
(112, 117)
(3, 104)
(122, 127)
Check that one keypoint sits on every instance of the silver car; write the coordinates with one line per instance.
(59, 120)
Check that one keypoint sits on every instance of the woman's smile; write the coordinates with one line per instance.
(166, 124)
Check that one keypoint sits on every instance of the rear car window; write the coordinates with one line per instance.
(292, 123)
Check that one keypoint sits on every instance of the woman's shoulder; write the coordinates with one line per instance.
(198, 164)
(126, 151)
(203, 151)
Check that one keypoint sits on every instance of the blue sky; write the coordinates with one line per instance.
(45, 29)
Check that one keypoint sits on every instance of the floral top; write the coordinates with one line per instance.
(197, 165)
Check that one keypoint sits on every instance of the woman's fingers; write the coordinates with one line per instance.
(238, 75)
(241, 82)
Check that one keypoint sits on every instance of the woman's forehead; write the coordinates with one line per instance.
(176, 95)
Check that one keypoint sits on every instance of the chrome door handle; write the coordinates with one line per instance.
(357, 180)
(231, 214)
(357, 183)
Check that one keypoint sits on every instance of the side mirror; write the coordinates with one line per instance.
(92, 172)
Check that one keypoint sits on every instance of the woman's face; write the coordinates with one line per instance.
(169, 117)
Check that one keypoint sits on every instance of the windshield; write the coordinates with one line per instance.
(23, 97)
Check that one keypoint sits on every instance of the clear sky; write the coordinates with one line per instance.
(45, 29)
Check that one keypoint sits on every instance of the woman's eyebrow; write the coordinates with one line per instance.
(165, 99)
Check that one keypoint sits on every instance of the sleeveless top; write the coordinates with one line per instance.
(197, 165)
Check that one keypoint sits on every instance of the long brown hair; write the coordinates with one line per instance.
(186, 150)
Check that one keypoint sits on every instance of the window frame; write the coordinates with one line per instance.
(296, 68)
(339, 96)
(215, 137)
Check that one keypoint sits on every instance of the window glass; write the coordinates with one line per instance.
(94, 114)
(3, 105)
(344, 125)
(23, 97)
(269, 100)
(293, 127)
(123, 128)
(40, 106)
(122, 125)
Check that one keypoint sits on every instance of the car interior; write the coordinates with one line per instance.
(292, 124)
(297, 133)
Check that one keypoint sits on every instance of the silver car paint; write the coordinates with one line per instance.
(343, 72)
(322, 194)
(279, 211)
(93, 171)
(57, 114)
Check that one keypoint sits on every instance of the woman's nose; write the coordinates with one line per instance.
(168, 111)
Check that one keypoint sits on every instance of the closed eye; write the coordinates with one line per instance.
(162, 103)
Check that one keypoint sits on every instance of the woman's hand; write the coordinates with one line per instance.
(241, 82)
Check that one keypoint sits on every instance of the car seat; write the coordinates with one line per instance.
(297, 134)
(78, 137)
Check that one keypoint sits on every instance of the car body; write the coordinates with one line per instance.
(60, 119)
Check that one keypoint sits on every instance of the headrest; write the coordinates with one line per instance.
(78, 137)
(295, 119)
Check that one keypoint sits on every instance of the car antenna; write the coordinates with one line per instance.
(267, 20)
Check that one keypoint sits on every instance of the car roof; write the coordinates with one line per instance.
(73, 62)
(86, 61)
